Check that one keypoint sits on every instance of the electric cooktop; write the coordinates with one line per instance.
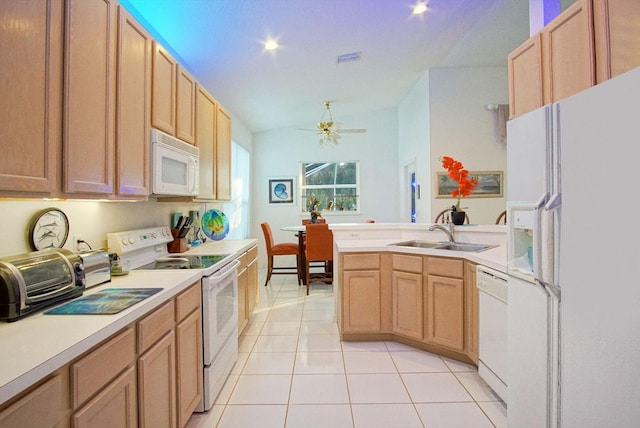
(184, 262)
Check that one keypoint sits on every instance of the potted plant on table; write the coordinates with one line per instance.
(460, 175)
(314, 209)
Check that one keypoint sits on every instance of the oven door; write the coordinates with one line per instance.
(219, 309)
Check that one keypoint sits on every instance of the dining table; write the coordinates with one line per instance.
(299, 231)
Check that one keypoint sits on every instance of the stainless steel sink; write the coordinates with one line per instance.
(419, 244)
(444, 245)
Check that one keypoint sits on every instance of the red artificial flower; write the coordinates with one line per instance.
(460, 175)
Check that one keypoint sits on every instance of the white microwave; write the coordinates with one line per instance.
(175, 167)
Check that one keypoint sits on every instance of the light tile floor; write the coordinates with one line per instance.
(293, 371)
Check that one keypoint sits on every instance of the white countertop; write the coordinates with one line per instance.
(495, 258)
(39, 344)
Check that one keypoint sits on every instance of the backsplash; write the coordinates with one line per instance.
(91, 220)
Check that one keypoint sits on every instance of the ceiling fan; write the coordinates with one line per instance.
(329, 130)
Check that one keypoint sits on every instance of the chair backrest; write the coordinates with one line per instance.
(502, 217)
(268, 236)
(318, 242)
(440, 216)
(308, 220)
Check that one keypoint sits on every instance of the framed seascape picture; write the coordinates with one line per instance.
(490, 184)
(281, 191)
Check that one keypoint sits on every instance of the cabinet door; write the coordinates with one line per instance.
(470, 311)
(31, 64)
(189, 365)
(223, 155)
(206, 107)
(252, 287)
(163, 90)
(115, 406)
(407, 304)
(617, 37)
(525, 77)
(185, 106)
(568, 52)
(361, 311)
(89, 96)
(157, 384)
(133, 106)
(444, 307)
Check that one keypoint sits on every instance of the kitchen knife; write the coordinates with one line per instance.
(185, 228)
(179, 224)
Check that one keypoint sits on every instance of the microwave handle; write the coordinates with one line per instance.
(194, 175)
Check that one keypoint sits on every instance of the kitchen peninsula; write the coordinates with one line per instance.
(423, 297)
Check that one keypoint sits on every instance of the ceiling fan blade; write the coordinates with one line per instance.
(352, 131)
(306, 129)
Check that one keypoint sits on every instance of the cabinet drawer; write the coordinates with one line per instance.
(187, 302)
(244, 261)
(42, 407)
(93, 372)
(152, 327)
(445, 267)
(252, 253)
(407, 263)
(361, 261)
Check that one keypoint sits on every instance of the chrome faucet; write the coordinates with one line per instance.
(449, 231)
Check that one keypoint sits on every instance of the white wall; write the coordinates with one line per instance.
(278, 154)
(445, 114)
(413, 149)
(462, 127)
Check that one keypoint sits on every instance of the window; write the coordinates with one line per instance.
(334, 184)
(237, 210)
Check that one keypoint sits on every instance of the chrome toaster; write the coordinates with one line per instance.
(97, 268)
(32, 281)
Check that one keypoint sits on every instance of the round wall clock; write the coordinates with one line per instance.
(49, 229)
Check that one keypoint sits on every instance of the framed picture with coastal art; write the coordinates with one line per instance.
(490, 184)
(281, 191)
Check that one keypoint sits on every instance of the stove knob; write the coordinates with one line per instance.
(131, 240)
(124, 241)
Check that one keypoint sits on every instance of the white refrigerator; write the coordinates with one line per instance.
(574, 260)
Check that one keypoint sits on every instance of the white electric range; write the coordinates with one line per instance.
(146, 249)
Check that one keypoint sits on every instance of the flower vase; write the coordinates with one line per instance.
(314, 218)
(458, 217)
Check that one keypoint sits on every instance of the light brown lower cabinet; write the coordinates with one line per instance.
(114, 406)
(42, 407)
(427, 298)
(471, 311)
(149, 374)
(156, 384)
(247, 286)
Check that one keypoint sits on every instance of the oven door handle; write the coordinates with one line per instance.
(223, 272)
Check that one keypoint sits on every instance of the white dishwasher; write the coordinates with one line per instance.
(492, 328)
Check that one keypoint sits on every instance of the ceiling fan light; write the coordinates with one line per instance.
(419, 8)
(271, 45)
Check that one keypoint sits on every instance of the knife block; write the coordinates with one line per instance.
(178, 245)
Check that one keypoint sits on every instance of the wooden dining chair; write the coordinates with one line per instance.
(440, 218)
(318, 254)
(502, 217)
(281, 249)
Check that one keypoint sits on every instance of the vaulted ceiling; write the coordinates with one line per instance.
(221, 43)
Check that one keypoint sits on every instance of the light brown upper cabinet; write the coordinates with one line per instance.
(133, 107)
(525, 77)
(163, 108)
(31, 64)
(617, 37)
(186, 106)
(173, 96)
(568, 60)
(89, 97)
(206, 107)
(223, 155)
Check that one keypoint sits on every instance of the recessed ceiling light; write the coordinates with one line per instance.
(420, 8)
(271, 45)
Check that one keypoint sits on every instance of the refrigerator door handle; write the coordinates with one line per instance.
(554, 202)
(537, 237)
